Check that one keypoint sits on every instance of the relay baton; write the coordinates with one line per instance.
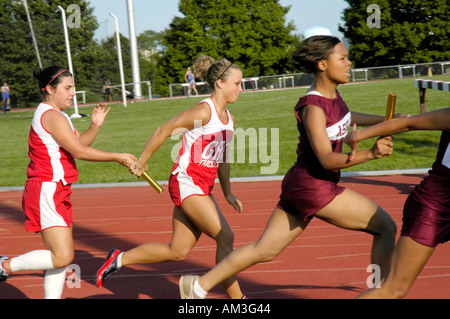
(390, 107)
(152, 182)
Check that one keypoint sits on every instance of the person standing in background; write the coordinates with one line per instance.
(190, 78)
(6, 98)
(107, 90)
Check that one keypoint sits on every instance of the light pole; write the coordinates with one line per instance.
(32, 33)
(134, 50)
(119, 54)
(69, 58)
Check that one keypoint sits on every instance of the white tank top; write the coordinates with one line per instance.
(203, 147)
(49, 162)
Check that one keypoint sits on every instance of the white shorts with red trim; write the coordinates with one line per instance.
(182, 186)
(46, 205)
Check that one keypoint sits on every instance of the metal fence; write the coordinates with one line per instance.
(301, 79)
(400, 71)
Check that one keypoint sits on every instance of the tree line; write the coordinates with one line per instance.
(254, 34)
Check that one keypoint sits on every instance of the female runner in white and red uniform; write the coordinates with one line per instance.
(426, 214)
(310, 187)
(209, 128)
(53, 145)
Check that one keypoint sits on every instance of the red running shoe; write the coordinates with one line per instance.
(109, 267)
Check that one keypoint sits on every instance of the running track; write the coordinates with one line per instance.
(325, 262)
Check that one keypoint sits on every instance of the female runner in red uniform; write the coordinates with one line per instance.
(53, 145)
(310, 187)
(210, 128)
(426, 213)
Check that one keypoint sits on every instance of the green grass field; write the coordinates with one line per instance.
(127, 130)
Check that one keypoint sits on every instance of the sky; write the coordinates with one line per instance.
(156, 15)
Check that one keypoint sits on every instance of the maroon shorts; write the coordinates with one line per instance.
(305, 195)
(425, 225)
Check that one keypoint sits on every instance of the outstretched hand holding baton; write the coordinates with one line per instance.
(351, 138)
(141, 171)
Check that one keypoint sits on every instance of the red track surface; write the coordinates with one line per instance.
(325, 262)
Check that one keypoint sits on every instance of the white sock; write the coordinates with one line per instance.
(199, 290)
(34, 260)
(54, 283)
(119, 260)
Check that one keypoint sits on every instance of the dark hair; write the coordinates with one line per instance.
(210, 70)
(312, 50)
(51, 75)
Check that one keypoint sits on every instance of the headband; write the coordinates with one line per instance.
(43, 89)
(224, 71)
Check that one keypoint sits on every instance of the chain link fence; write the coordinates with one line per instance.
(283, 81)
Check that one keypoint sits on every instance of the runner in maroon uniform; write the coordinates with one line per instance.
(426, 214)
(310, 187)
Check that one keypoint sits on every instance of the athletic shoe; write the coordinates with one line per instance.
(187, 287)
(3, 273)
(109, 267)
